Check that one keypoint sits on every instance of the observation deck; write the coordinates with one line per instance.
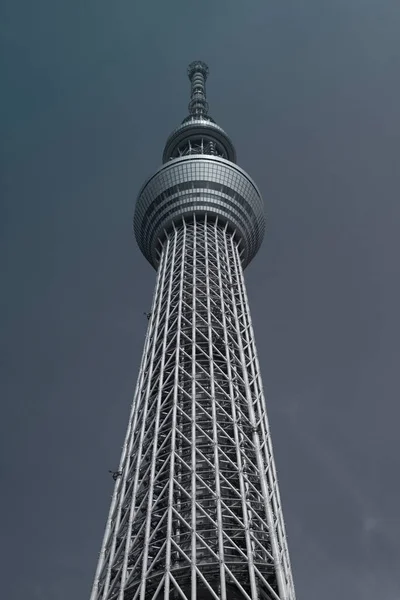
(192, 187)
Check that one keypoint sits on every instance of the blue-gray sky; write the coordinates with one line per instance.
(310, 93)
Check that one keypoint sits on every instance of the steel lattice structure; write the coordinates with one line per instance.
(196, 511)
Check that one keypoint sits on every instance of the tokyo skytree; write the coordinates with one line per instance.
(196, 512)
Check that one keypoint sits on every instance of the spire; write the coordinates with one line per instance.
(198, 133)
(197, 72)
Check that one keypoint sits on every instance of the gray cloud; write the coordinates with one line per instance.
(309, 93)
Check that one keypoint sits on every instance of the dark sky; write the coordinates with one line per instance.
(310, 93)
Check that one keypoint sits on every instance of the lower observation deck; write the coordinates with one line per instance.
(199, 185)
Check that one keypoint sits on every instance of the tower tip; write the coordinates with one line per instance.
(197, 66)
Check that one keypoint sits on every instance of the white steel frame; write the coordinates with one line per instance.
(196, 511)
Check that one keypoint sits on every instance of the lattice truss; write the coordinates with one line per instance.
(196, 511)
(200, 146)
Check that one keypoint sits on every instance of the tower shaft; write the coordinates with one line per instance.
(196, 511)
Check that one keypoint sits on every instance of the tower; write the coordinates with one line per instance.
(196, 512)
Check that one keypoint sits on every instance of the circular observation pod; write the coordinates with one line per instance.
(197, 130)
(199, 185)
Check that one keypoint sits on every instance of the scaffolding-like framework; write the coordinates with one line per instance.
(196, 508)
(196, 512)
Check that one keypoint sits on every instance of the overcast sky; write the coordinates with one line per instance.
(310, 93)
